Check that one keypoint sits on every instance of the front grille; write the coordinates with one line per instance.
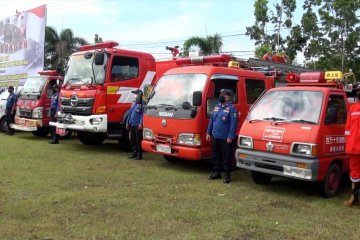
(268, 166)
(162, 138)
(83, 106)
(26, 113)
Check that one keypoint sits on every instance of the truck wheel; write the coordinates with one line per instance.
(3, 127)
(41, 132)
(261, 178)
(91, 138)
(330, 186)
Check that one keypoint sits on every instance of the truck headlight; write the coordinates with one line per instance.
(148, 134)
(37, 112)
(245, 142)
(189, 139)
(304, 149)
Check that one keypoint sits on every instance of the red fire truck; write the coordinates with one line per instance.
(297, 131)
(96, 93)
(183, 99)
(33, 104)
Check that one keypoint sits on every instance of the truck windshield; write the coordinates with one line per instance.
(34, 85)
(80, 71)
(290, 106)
(174, 90)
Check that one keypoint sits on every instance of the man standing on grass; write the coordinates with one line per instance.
(222, 130)
(352, 133)
(134, 124)
(10, 110)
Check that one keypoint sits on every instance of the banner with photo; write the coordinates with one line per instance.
(22, 38)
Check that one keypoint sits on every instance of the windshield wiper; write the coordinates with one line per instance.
(151, 107)
(255, 120)
(302, 121)
(169, 107)
(274, 119)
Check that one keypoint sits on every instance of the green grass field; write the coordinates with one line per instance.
(73, 191)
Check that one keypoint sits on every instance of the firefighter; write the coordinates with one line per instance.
(54, 108)
(222, 130)
(134, 124)
(10, 110)
(352, 134)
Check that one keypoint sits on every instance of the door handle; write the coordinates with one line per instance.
(111, 110)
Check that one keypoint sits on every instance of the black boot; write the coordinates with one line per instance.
(354, 197)
(215, 175)
(139, 156)
(227, 178)
(133, 155)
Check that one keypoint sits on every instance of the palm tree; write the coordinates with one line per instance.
(208, 45)
(58, 47)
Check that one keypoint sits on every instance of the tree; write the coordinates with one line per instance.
(58, 47)
(277, 18)
(261, 50)
(334, 34)
(98, 39)
(208, 45)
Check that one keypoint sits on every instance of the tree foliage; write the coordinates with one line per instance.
(59, 46)
(209, 45)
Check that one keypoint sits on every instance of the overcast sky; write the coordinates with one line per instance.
(151, 25)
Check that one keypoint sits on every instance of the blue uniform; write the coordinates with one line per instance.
(10, 101)
(54, 104)
(135, 114)
(223, 122)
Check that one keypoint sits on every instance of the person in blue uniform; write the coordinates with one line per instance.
(134, 124)
(54, 108)
(222, 131)
(10, 110)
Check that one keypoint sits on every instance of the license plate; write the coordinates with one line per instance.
(163, 148)
(61, 131)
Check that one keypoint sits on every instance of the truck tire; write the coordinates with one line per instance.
(91, 138)
(331, 184)
(3, 127)
(41, 132)
(261, 178)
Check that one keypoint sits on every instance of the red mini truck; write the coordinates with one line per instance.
(33, 104)
(297, 132)
(183, 99)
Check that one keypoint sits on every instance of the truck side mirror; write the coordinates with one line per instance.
(99, 58)
(331, 116)
(197, 98)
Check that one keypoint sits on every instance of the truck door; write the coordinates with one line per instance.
(124, 77)
(334, 125)
(253, 90)
(219, 82)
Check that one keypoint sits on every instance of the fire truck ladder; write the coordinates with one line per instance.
(252, 62)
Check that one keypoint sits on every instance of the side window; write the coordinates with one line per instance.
(336, 110)
(221, 84)
(124, 68)
(254, 88)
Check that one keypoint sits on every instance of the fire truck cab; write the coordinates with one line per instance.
(96, 94)
(33, 104)
(297, 131)
(178, 111)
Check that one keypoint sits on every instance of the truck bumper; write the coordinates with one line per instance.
(277, 164)
(92, 123)
(182, 152)
(25, 124)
